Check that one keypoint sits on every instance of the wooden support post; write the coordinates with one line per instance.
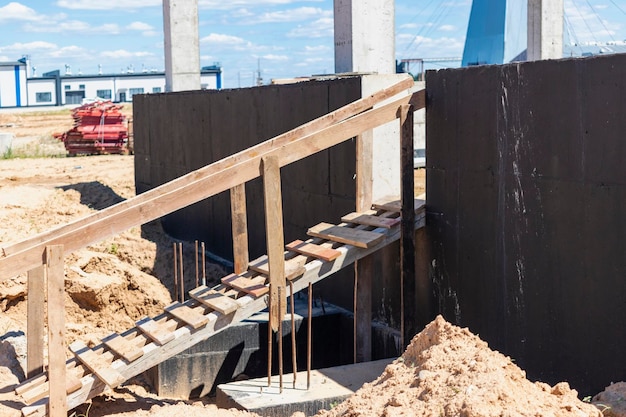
(280, 348)
(240, 228)
(270, 334)
(363, 273)
(182, 276)
(364, 157)
(175, 272)
(408, 302)
(203, 264)
(275, 239)
(56, 331)
(308, 336)
(363, 268)
(294, 363)
(196, 264)
(35, 321)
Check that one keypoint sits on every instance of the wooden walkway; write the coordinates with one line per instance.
(119, 357)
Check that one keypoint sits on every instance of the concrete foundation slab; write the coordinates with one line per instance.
(329, 387)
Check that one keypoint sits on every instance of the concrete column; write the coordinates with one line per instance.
(365, 36)
(182, 50)
(545, 29)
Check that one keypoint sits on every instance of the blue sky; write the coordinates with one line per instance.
(288, 37)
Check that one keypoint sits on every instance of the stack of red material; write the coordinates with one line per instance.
(99, 128)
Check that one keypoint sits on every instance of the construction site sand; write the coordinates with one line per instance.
(109, 285)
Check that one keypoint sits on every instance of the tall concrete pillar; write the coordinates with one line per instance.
(182, 48)
(545, 29)
(365, 36)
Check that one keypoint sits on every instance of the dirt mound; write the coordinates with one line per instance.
(448, 371)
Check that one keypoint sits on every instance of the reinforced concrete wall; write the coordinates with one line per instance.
(526, 200)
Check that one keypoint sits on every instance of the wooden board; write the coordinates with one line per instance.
(35, 323)
(396, 205)
(313, 250)
(123, 347)
(72, 384)
(155, 331)
(213, 299)
(240, 227)
(56, 331)
(273, 204)
(98, 364)
(293, 267)
(370, 220)
(253, 286)
(364, 160)
(186, 314)
(354, 237)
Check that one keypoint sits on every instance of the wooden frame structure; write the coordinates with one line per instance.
(42, 255)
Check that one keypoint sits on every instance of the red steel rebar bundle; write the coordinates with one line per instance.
(99, 128)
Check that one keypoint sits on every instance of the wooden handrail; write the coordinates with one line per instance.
(220, 176)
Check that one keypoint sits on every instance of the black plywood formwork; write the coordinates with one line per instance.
(526, 200)
(176, 133)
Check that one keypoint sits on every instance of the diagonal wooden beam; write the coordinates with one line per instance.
(195, 186)
(299, 143)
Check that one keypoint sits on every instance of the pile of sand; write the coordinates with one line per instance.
(448, 371)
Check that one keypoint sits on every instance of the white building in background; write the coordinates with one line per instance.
(17, 89)
(13, 84)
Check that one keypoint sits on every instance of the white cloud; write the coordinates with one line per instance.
(291, 15)
(124, 54)
(243, 12)
(447, 28)
(316, 49)
(17, 11)
(75, 26)
(69, 52)
(107, 5)
(29, 46)
(320, 28)
(145, 29)
(409, 26)
(112, 28)
(139, 26)
(221, 39)
(271, 57)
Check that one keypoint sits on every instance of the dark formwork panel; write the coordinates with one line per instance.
(526, 200)
(176, 133)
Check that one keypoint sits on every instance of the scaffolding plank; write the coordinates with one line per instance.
(213, 299)
(253, 286)
(97, 363)
(123, 347)
(293, 267)
(155, 331)
(355, 237)
(186, 314)
(370, 220)
(396, 205)
(313, 250)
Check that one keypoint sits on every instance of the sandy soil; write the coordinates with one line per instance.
(445, 371)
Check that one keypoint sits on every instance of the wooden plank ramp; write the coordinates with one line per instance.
(210, 310)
